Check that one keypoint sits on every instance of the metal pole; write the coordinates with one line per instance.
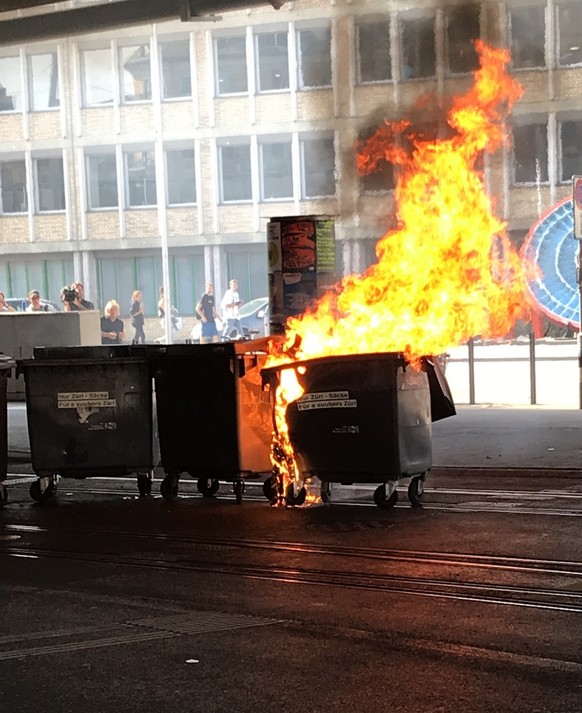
(471, 346)
(532, 369)
(579, 337)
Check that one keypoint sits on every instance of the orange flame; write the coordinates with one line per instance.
(448, 272)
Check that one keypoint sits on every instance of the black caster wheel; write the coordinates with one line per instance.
(144, 484)
(169, 488)
(270, 488)
(293, 498)
(385, 502)
(325, 492)
(416, 490)
(40, 495)
(239, 488)
(207, 487)
(3, 495)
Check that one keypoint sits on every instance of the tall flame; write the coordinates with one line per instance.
(448, 271)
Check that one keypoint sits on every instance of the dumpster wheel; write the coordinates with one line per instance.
(382, 500)
(239, 487)
(325, 492)
(3, 495)
(169, 487)
(416, 490)
(207, 487)
(144, 484)
(270, 488)
(293, 498)
(40, 495)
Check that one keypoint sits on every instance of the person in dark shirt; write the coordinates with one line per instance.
(137, 317)
(80, 303)
(111, 326)
(206, 310)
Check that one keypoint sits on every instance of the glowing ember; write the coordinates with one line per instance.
(448, 272)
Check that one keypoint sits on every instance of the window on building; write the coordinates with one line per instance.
(373, 51)
(276, 166)
(13, 187)
(181, 173)
(317, 167)
(235, 172)
(570, 149)
(463, 29)
(418, 59)
(230, 57)
(140, 167)
(314, 57)
(382, 179)
(43, 72)
(10, 84)
(50, 184)
(135, 71)
(273, 61)
(527, 36)
(176, 75)
(97, 77)
(569, 33)
(530, 153)
(102, 181)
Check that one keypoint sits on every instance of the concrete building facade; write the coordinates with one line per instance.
(194, 135)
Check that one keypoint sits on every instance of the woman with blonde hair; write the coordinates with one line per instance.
(111, 326)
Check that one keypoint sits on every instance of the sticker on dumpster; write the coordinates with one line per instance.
(85, 399)
(326, 399)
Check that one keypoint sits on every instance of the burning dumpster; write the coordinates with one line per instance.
(214, 419)
(360, 419)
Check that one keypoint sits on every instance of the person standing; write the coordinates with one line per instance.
(111, 326)
(206, 310)
(137, 317)
(36, 305)
(230, 305)
(4, 306)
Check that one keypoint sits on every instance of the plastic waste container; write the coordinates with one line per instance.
(214, 419)
(361, 419)
(6, 366)
(90, 413)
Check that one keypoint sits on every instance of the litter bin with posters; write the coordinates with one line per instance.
(90, 414)
(363, 418)
(6, 366)
(214, 419)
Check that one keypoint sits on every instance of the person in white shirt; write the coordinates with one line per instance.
(35, 305)
(229, 306)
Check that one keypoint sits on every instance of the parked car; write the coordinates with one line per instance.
(21, 303)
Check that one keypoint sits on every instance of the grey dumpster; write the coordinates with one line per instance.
(6, 366)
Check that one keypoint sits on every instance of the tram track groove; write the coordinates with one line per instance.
(506, 595)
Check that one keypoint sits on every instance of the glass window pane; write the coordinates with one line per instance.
(13, 185)
(530, 153)
(102, 181)
(418, 48)
(570, 33)
(276, 170)
(462, 30)
(231, 65)
(97, 77)
(527, 36)
(374, 62)
(235, 173)
(135, 70)
(10, 84)
(176, 81)
(50, 184)
(44, 81)
(181, 176)
(318, 167)
(571, 149)
(273, 61)
(314, 47)
(141, 178)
